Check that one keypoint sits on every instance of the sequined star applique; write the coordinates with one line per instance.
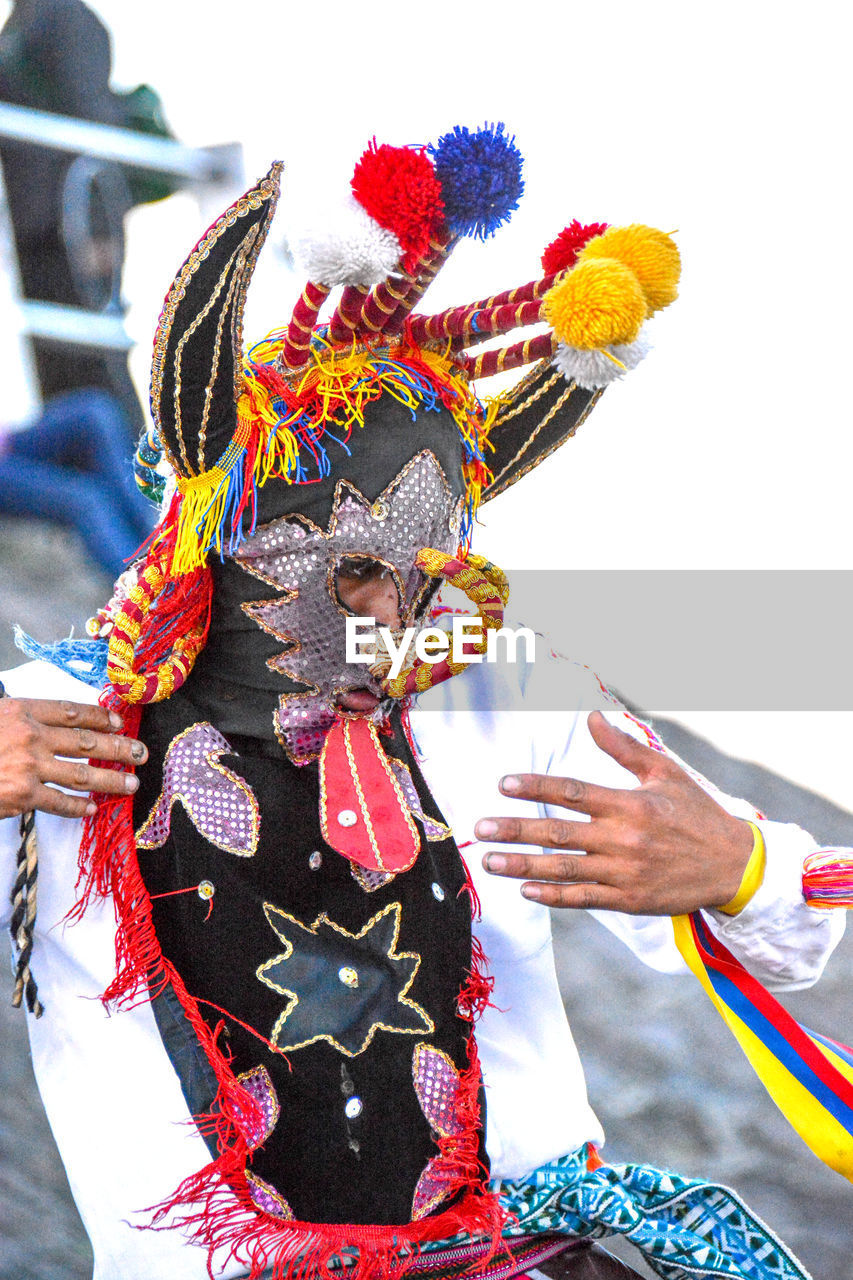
(219, 803)
(342, 987)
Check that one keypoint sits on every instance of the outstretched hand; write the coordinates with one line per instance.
(35, 733)
(664, 848)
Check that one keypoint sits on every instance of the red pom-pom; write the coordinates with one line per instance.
(397, 187)
(562, 253)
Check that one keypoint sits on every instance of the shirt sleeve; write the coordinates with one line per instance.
(34, 680)
(779, 938)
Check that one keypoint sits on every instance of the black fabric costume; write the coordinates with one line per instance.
(327, 1167)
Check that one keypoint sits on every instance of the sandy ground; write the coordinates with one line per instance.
(667, 1079)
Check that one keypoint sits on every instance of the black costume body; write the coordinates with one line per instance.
(328, 1167)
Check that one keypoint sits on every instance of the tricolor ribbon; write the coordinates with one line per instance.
(808, 1076)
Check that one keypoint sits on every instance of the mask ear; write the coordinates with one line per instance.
(198, 347)
(541, 413)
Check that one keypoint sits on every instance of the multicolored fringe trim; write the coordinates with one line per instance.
(85, 660)
(808, 1076)
(684, 1227)
(130, 632)
(286, 425)
(828, 878)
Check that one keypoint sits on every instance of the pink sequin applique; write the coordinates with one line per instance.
(220, 805)
(267, 1198)
(436, 1085)
(257, 1082)
(433, 829)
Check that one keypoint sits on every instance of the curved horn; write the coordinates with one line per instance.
(540, 413)
(198, 347)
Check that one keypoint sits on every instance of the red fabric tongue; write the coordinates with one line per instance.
(363, 813)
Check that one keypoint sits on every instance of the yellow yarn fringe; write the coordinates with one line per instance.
(335, 389)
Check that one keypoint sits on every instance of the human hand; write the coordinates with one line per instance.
(664, 848)
(35, 732)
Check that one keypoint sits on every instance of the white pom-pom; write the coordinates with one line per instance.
(346, 246)
(632, 353)
(594, 369)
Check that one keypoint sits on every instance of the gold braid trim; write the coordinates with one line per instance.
(161, 682)
(485, 585)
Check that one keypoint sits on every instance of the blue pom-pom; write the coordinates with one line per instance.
(480, 176)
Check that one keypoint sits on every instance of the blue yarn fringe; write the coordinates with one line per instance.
(86, 660)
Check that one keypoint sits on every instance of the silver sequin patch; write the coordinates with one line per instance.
(300, 558)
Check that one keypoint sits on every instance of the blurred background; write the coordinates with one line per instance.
(125, 130)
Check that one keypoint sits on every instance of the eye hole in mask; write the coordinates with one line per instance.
(367, 587)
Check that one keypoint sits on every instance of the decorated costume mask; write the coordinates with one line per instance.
(292, 896)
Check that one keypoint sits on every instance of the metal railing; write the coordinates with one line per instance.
(201, 165)
(101, 327)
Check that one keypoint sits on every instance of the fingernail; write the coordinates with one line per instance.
(130, 783)
(91, 808)
(495, 862)
(531, 891)
(486, 828)
(510, 783)
(138, 751)
(115, 720)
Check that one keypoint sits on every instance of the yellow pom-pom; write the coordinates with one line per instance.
(651, 254)
(596, 304)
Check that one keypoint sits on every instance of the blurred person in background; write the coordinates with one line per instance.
(71, 466)
(67, 211)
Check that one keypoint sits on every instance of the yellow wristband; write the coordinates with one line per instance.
(752, 876)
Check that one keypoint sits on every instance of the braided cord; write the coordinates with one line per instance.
(24, 898)
(167, 676)
(485, 585)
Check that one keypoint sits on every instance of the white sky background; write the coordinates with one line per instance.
(730, 447)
